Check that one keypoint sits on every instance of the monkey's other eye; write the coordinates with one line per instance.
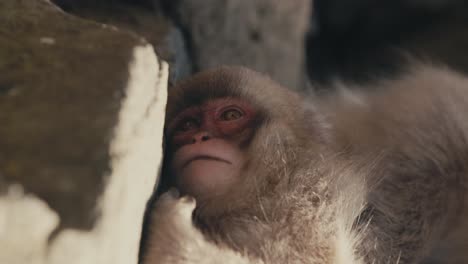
(187, 124)
(231, 114)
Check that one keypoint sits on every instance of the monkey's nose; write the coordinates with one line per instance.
(203, 136)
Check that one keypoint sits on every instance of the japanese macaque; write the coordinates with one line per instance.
(261, 174)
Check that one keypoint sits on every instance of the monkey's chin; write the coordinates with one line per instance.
(205, 177)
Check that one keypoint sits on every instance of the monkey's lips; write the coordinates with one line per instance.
(204, 175)
(203, 157)
(211, 151)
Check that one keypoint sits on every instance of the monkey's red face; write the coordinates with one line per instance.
(206, 141)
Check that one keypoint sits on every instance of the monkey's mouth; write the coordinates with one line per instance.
(204, 157)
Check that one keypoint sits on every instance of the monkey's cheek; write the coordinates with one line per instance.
(203, 178)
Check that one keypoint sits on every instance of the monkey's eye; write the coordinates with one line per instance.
(231, 114)
(187, 125)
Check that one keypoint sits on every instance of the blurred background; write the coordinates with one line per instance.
(294, 41)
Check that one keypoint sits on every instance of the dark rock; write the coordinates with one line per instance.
(360, 40)
(142, 18)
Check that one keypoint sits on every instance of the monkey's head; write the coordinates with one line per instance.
(233, 135)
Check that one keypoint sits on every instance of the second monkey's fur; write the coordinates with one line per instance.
(370, 176)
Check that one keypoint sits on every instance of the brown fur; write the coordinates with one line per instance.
(377, 176)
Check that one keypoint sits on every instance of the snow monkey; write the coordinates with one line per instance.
(256, 173)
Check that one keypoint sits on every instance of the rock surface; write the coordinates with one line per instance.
(191, 35)
(143, 18)
(265, 35)
(81, 116)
